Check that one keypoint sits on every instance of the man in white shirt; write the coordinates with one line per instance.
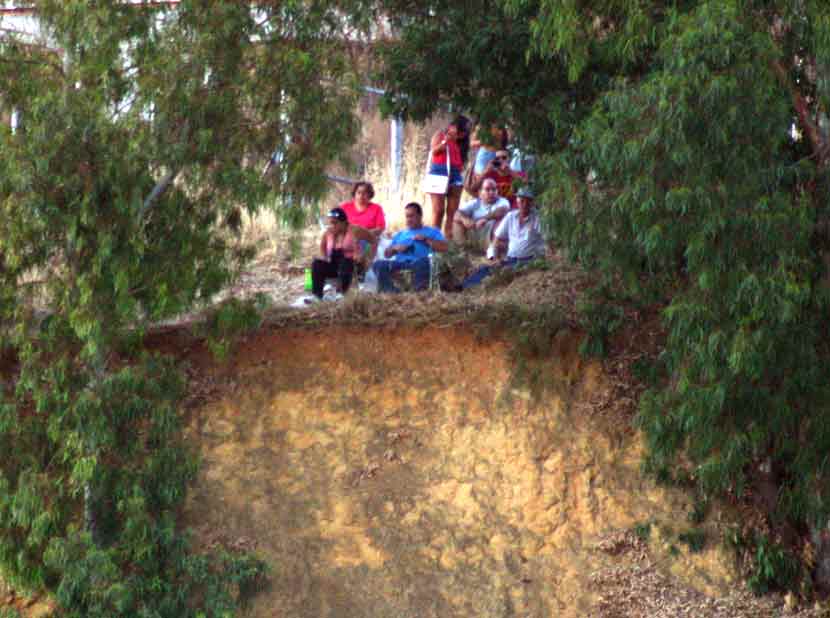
(521, 231)
(480, 216)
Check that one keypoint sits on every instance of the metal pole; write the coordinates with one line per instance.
(396, 127)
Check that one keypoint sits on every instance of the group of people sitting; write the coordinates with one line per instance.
(503, 221)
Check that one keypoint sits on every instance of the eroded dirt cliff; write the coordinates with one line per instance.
(423, 472)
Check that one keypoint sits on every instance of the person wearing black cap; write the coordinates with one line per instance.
(338, 250)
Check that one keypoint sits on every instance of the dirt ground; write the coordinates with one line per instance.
(388, 460)
(412, 472)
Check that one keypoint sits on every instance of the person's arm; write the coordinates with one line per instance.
(438, 143)
(494, 215)
(438, 245)
(475, 137)
(437, 242)
(380, 222)
(463, 219)
(323, 247)
(502, 209)
(393, 250)
(501, 234)
(361, 233)
(396, 247)
(467, 208)
(498, 213)
(357, 249)
(477, 180)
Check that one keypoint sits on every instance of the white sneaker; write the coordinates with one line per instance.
(328, 288)
(305, 301)
(332, 296)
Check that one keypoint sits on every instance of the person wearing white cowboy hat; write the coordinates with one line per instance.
(520, 231)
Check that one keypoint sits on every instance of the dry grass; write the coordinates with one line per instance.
(274, 237)
(277, 238)
(379, 171)
(561, 286)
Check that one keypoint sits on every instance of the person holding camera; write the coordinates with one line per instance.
(499, 170)
(488, 142)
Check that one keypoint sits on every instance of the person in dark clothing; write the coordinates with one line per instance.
(338, 249)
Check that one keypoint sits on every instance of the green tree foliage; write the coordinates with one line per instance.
(683, 150)
(143, 133)
(701, 192)
(474, 55)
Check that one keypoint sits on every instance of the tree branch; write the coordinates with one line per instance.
(163, 184)
(820, 146)
(161, 187)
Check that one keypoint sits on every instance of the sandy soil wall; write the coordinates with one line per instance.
(416, 473)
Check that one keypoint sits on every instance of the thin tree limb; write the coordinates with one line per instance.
(813, 132)
(158, 190)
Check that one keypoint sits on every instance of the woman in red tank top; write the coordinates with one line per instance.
(452, 142)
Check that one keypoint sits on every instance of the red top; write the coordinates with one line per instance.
(371, 217)
(455, 154)
(504, 183)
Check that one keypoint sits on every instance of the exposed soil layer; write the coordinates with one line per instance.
(384, 465)
(422, 472)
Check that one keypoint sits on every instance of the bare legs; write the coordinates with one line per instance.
(437, 209)
(453, 200)
(466, 231)
(445, 205)
(459, 229)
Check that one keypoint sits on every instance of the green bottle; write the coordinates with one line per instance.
(308, 284)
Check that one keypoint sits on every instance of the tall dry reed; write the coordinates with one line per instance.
(276, 237)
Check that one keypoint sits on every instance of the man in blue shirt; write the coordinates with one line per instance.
(410, 250)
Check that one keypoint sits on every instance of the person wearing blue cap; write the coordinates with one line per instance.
(521, 231)
(338, 251)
